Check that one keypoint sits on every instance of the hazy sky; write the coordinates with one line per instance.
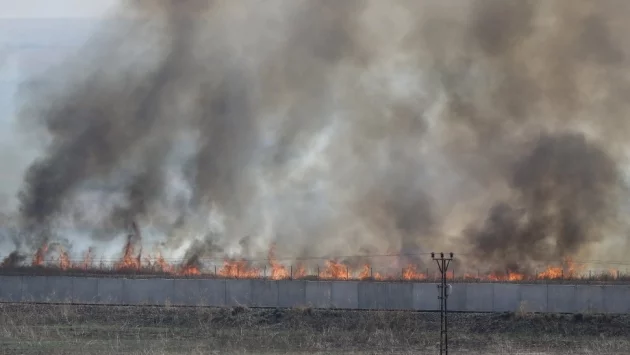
(33, 35)
(36, 32)
(53, 8)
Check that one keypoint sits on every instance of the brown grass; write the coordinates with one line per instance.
(67, 329)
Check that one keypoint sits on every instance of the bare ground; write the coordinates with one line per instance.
(68, 329)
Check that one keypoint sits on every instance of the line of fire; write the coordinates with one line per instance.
(49, 260)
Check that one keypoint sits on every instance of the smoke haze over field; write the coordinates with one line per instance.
(493, 128)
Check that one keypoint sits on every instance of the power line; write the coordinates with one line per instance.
(342, 258)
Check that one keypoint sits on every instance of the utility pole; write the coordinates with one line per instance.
(444, 291)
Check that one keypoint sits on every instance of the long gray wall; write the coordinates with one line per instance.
(472, 297)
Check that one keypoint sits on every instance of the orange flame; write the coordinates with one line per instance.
(365, 272)
(64, 260)
(278, 271)
(129, 261)
(335, 270)
(509, 276)
(514, 276)
(411, 273)
(238, 269)
(163, 265)
(38, 260)
(299, 272)
(568, 270)
(189, 270)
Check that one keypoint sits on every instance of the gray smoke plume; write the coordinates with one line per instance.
(566, 193)
(492, 128)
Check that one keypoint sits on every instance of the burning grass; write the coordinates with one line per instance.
(38, 329)
(55, 260)
(603, 277)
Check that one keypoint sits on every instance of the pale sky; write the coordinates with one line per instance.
(54, 8)
(33, 35)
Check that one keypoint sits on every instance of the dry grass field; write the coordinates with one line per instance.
(68, 329)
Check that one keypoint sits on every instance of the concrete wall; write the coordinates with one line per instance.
(472, 297)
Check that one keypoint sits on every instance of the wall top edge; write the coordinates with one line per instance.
(455, 284)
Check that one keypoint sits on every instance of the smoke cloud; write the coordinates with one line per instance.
(566, 191)
(495, 129)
